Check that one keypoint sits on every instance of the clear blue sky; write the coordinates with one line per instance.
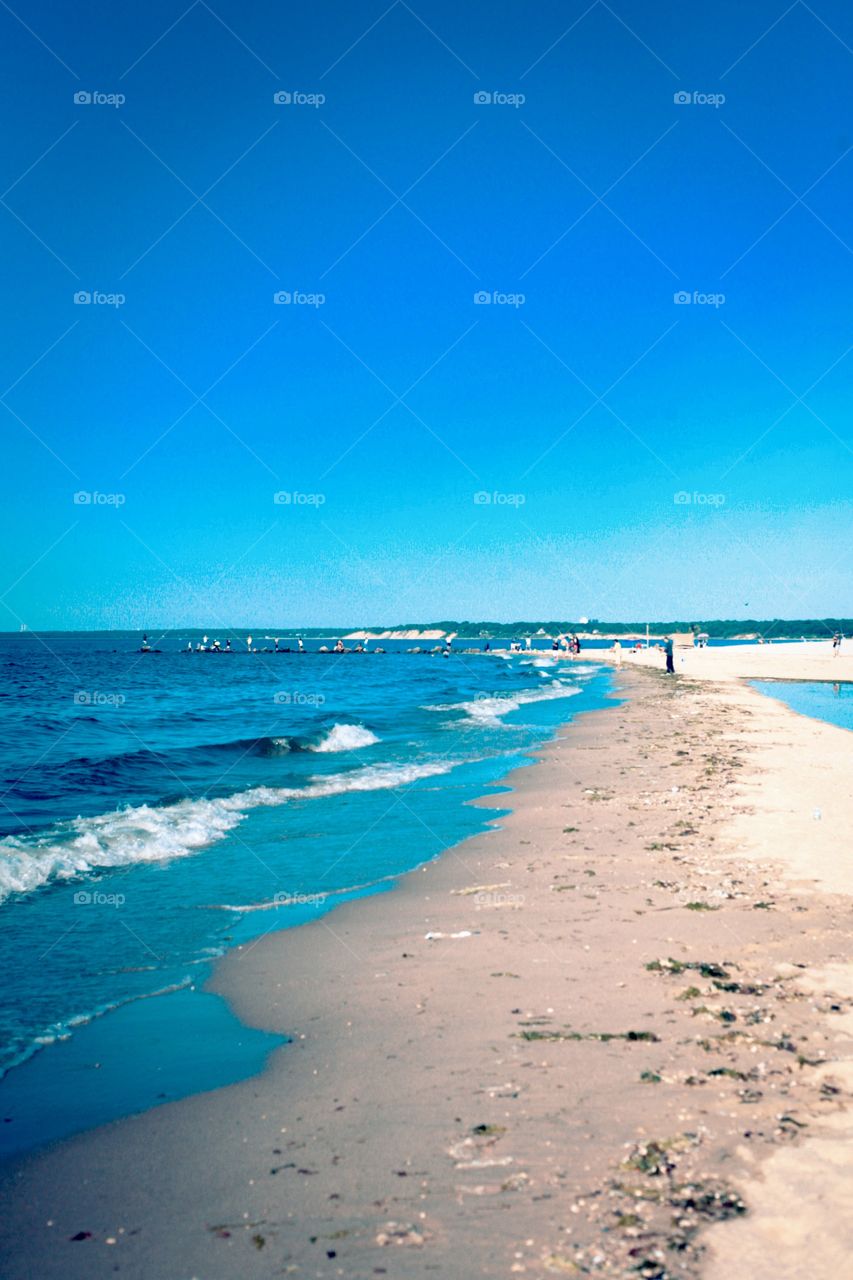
(399, 398)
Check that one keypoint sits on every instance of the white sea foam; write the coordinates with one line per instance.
(372, 777)
(489, 710)
(150, 834)
(346, 737)
(142, 834)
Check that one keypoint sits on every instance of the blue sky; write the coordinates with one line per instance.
(442, 456)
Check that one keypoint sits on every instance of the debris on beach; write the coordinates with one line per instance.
(403, 1234)
(481, 888)
(603, 1036)
(706, 969)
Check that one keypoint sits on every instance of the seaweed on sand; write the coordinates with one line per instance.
(603, 1036)
(706, 968)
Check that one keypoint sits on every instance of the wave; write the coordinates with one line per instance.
(341, 737)
(104, 771)
(371, 777)
(150, 834)
(489, 710)
(296, 899)
(346, 737)
(252, 746)
(141, 834)
(64, 1029)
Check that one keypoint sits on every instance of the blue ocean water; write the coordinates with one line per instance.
(157, 807)
(820, 699)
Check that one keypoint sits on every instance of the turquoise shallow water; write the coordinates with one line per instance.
(149, 800)
(816, 698)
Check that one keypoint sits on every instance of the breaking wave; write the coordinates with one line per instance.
(488, 710)
(147, 833)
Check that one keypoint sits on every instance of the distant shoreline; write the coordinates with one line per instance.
(721, 629)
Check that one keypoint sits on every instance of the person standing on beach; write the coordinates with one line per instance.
(668, 651)
(836, 644)
(617, 653)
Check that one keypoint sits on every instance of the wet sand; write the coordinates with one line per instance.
(598, 1040)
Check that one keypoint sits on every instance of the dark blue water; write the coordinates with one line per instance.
(817, 698)
(157, 807)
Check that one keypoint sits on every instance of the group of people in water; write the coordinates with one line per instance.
(565, 643)
(568, 644)
(216, 646)
(202, 646)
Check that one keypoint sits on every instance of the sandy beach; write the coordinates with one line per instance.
(611, 1036)
(799, 660)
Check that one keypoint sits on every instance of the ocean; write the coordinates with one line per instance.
(160, 807)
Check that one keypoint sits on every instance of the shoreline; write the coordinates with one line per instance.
(97, 1038)
(492, 1081)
